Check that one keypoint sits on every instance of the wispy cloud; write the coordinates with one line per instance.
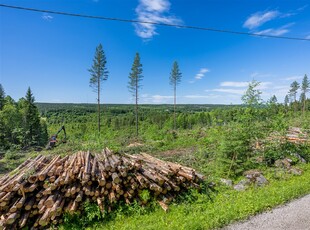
(292, 78)
(195, 96)
(232, 91)
(202, 72)
(47, 17)
(244, 84)
(255, 21)
(156, 99)
(234, 83)
(302, 8)
(308, 36)
(240, 85)
(156, 11)
(256, 75)
(259, 18)
(276, 31)
(264, 85)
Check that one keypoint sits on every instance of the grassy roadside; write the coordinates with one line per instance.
(226, 207)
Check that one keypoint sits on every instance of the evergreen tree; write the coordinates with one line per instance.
(135, 78)
(99, 73)
(252, 96)
(273, 100)
(293, 93)
(2, 96)
(175, 79)
(305, 87)
(286, 100)
(31, 119)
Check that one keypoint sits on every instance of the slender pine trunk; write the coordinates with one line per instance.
(304, 106)
(99, 105)
(295, 104)
(175, 100)
(136, 108)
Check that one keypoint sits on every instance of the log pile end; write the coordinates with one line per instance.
(40, 190)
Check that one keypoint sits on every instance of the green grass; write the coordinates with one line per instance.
(225, 207)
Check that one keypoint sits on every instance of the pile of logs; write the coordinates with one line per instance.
(296, 135)
(40, 190)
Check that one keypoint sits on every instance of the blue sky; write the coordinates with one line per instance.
(51, 53)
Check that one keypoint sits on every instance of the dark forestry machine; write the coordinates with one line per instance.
(52, 142)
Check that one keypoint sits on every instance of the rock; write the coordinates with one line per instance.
(284, 163)
(261, 181)
(295, 171)
(252, 174)
(226, 182)
(300, 158)
(242, 185)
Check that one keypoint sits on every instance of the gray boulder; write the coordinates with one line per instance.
(261, 181)
(242, 185)
(227, 182)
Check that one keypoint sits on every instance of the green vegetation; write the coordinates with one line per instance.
(198, 211)
(20, 123)
(218, 141)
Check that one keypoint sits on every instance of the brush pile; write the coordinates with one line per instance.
(39, 191)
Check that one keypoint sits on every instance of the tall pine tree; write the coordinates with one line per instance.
(293, 93)
(99, 73)
(175, 79)
(305, 87)
(286, 100)
(134, 84)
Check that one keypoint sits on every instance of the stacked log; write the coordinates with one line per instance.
(296, 135)
(40, 190)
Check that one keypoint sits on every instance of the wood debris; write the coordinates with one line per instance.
(296, 135)
(40, 190)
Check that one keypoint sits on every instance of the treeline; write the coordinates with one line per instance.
(20, 122)
(163, 119)
(291, 97)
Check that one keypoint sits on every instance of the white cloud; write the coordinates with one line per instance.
(259, 18)
(202, 96)
(155, 11)
(307, 37)
(244, 84)
(201, 74)
(204, 70)
(156, 99)
(276, 31)
(47, 17)
(234, 83)
(232, 91)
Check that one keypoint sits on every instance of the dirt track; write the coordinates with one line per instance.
(292, 216)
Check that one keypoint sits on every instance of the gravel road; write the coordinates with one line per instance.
(292, 216)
